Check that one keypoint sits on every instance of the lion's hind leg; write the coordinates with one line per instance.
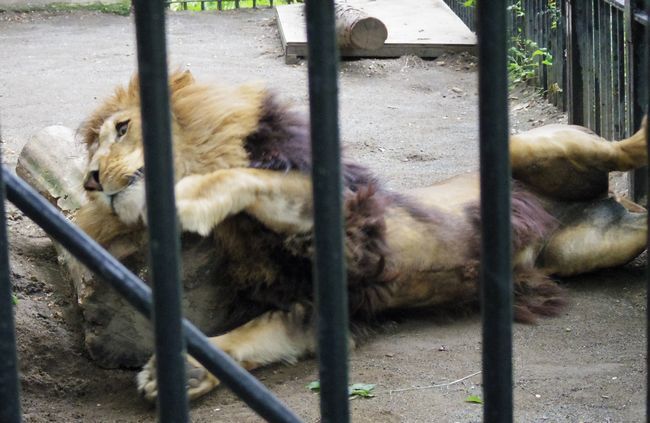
(570, 162)
(594, 235)
(275, 336)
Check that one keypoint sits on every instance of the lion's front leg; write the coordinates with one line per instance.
(275, 336)
(281, 201)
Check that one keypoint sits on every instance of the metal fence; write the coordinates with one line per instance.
(496, 292)
(597, 48)
(225, 4)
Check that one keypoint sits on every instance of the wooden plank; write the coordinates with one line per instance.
(425, 28)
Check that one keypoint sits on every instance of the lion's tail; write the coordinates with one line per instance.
(536, 295)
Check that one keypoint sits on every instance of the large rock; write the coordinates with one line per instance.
(115, 334)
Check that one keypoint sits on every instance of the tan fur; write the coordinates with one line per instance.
(416, 251)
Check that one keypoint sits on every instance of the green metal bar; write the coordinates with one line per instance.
(9, 384)
(496, 278)
(164, 243)
(329, 269)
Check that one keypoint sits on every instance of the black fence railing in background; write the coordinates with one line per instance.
(596, 48)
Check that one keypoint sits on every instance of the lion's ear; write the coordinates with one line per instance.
(180, 79)
(133, 91)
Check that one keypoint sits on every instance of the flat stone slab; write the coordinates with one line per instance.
(424, 28)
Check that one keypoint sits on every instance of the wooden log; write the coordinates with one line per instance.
(115, 335)
(356, 29)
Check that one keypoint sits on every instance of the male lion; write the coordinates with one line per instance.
(242, 164)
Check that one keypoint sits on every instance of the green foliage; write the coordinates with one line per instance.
(122, 8)
(361, 390)
(474, 399)
(14, 299)
(225, 4)
(525, 58)
(356, 390)
(469, 3)
(314, 386)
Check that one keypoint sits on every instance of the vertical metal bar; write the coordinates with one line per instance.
(496, 279)
(638, 81)
(595, 82)
(330, 273)
(604, 70)
(575, 96)
(9, 386)
(589, 63)
(164, 244)
(646, 52)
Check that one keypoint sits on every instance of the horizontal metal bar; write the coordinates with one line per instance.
(138, 294)
(618, 4)
(9, 384)
(496, 270)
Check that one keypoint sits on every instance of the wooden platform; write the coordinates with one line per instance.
(424, 28)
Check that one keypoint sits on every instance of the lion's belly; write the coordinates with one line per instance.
(435, 258)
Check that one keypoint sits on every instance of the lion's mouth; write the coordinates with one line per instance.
(132, 179)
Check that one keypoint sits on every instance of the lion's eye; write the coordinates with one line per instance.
(122, 127)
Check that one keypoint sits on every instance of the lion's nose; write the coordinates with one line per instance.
(92, 181)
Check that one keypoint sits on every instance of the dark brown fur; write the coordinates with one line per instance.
(281, 143)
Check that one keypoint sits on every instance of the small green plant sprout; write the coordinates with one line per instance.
(14, 299)
(361, 390)
(356, 390)
(313, 386)
(524, 59)
(469, 3)
(474, 399)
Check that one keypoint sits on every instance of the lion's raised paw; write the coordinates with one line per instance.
(194, 217)
(199, 380)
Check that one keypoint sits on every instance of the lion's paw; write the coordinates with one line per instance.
(195, 216)
(199, 380)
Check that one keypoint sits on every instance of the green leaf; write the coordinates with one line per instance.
(356, 390)
(474, 399)
(314, 386)
(469, 3)
(361, 390)
(14, 299)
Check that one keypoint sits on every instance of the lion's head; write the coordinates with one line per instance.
(209, 127)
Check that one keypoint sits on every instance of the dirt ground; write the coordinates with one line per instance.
(413, 122)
